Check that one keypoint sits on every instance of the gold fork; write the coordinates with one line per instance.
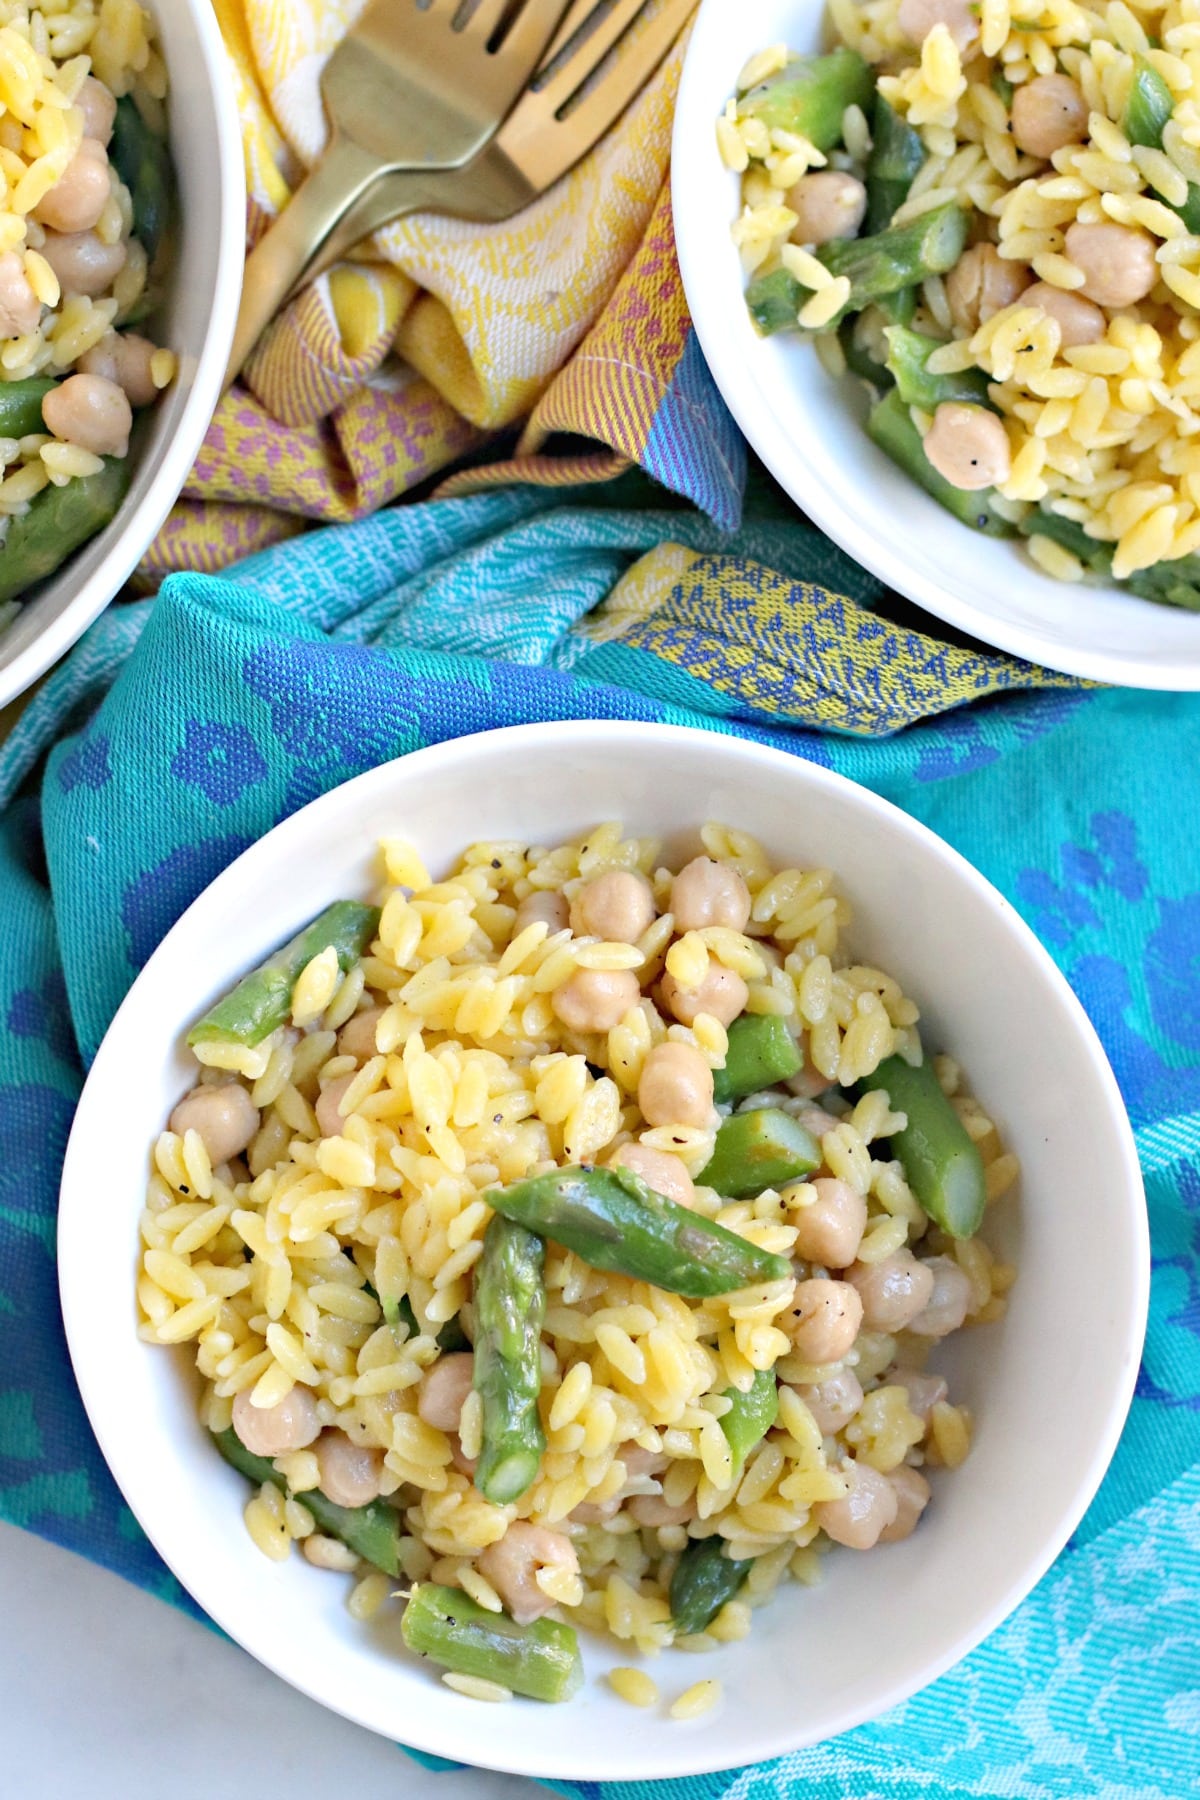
(596, 65)
(415, 84)
(603, 54)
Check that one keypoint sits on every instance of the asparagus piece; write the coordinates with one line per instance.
(761, 1052)
(143, 161)
(262, 1001)
(898, 258)
(908, 357)
(859, 360)
(890, 426)
(1147, 114)
(810, 94)
(612, 1220)
(57, 521)
(750, 1417)
(21, 405)
(399, 1311)
(372, 1531)
(896, 155)
(941, 1164)
(510, 1304)
(757, 1150)
(900, 306)
(540, 1660)
(1175, 583)
(704, 1579)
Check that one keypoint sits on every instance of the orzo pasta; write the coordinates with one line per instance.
(562, 1243)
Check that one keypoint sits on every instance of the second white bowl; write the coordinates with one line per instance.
(1049, 1386)
(809, 428)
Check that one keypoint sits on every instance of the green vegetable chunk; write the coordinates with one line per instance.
(21, 405)
(1175, 583)
(541, 1660)
(612, 1220)
(898, 258)
(859, 359)
(908, 357)
(750, 1417)
(900, 306)
(762, 1149)
(262, 1001)
(59, 520)
(810, 94)
(774, 300)
(896, 156)
(143, 161)
(761, 1052)
(510, 1304)
(372, 1531)
(1147, 114)
(399, 1311)
(890, 426)
(941, 1164)
(704, 1579)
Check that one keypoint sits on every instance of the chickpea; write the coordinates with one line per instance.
(912, 1497)
(1048, 113)
(357, 1036)
(707, 892)
(20, 308)
(444, 1388)
(86, 265)
(511, 1565)
(99, 109)
(226, 1118)
(968, 446)
(893, 1291)
(834, 1401)
(860, 1518)
(350, 1472)
(639, 1463)
(658, 1169)
(924, 1391)
(981, 283)
(721, 993)
(949, 1302)
(830, 1230)
(329, 1118)
(816, 1120)
(1117, 262)
(917, 18)
(81, 192)
(676, 1086)
(1078, 321)
(544, 906)
(616, 906)
(827, 205)
(90, 411)
(291, 1424)
(823, 1321)
(595, 999)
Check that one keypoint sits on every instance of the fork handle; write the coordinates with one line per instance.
(297, 236)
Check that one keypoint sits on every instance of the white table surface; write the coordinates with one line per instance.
(109, 1694)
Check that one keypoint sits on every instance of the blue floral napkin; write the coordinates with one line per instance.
(180, 730)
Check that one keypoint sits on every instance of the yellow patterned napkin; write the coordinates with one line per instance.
(569, 317)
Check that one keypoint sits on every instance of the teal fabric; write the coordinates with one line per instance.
(180, 730)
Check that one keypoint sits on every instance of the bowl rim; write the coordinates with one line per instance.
(180, 452)
(252, 866)
(764, 428)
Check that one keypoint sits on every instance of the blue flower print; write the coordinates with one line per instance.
(154, 900)
(222, 761)
(87, 765)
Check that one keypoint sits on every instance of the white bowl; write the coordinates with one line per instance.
(988, 991)
(196, 320)
(809, 428)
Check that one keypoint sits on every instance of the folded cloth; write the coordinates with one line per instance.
(183, 730)
(569, 318)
